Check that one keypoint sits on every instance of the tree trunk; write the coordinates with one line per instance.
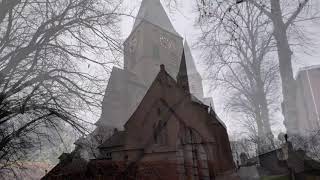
(285, 64)
(266, 121)
(261, 130)
(264, 110)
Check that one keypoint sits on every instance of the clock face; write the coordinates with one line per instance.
(166, 42)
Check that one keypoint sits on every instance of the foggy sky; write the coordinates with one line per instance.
(183, 21)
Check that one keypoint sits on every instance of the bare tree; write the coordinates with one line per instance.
(46, 50)
(310, 144)
(237, 46)
(241, 145)
(282, 14)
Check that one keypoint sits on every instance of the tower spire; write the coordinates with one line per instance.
(153, 12)
(182, 77)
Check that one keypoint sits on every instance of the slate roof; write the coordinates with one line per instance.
(182, 77)
(117, 139)
(153, 12)
(117, 86)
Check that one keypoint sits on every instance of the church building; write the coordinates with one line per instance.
(152, 42)
(155, 122)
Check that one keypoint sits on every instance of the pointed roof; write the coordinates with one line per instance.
(116, 140)
(153, 12)
(191, 67)
(182, 77)
(115, 98)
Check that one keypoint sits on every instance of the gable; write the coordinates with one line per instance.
(163, 85)
(182, 112)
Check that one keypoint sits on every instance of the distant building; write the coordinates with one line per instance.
(308, 100)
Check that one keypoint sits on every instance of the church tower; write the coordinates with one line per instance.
(153, 41)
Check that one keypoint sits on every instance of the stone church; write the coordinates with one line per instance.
(155, 122)
(153, 41)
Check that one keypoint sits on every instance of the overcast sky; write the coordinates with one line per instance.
(183, 21)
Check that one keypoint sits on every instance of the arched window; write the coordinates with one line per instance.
(160, 133)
